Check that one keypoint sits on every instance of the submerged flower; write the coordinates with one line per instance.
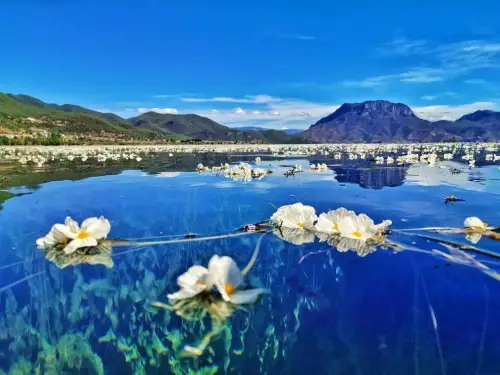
(228, 279)
(73, 237)
(475, 223)
(295, 216)
(191, 283)
(328, 223)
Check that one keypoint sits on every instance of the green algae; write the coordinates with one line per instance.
(109, 336)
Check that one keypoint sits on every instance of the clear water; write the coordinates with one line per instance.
(328, 313)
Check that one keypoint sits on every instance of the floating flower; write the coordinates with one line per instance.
(258, 160)
(295, 216)
(191, 283)
(361, 227)
(73, 237)
(228, 279)
(475, 223)
(328, 223)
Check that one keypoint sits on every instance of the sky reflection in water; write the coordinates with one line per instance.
(331, 313)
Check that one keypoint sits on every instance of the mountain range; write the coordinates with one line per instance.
(370, 121)
(26, 112)
(383, 121)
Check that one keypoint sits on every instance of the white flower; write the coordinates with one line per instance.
(361, 227)
(227, 278)
(475, 223)
(191, 283)
(93, 229)
(328, 223)
(258, 160)
(295, 216)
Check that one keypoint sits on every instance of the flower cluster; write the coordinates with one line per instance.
(341, 228)
(223, 274)
(241, 172)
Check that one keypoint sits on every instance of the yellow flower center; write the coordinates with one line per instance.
(301, 225)
(335, 227)
(82, 235)
(357, 234)
(229, 289)
(200, 282)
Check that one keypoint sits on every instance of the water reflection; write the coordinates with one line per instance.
(417, 311)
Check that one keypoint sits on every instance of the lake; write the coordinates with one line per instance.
(414, 302)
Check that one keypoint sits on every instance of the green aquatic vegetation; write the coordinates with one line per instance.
(109, 336)
(206, 370)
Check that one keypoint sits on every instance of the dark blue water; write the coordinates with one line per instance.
(389, 312)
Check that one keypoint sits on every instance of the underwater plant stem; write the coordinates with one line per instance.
(183, 240)
(425, 228)
(254, 256)
(3, 289)
(461, 246)
(19, 262)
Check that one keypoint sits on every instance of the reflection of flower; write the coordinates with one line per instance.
(296, 236)
(228, 279)
(73, 237)
(328, 223)
(197, 307)
(191, 283)
(100, 254)
(359, 246)
(295, 216)
(473, 237)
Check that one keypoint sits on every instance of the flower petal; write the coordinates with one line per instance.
(71, 225)
(62, 230)
(224, 274)
(195, 275)
(241, 297)
(78, 244)
(184, 293)
(97, 228)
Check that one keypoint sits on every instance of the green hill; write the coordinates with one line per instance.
(25, 115)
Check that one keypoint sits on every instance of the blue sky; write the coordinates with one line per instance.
(263, 63)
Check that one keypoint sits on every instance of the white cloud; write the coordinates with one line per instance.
(239, 111)
(442, 61)
(255, 99)
(450, 112)
(295, 36)
(429, 97)
(170, 111)
(403, 47)
(367, 82)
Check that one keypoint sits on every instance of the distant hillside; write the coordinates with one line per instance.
(198, 127)
(22, 115)
(383, 121)
(26, 115)
(29, 100)
(257, 128)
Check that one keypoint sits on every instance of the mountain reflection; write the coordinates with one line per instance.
(371, 177)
